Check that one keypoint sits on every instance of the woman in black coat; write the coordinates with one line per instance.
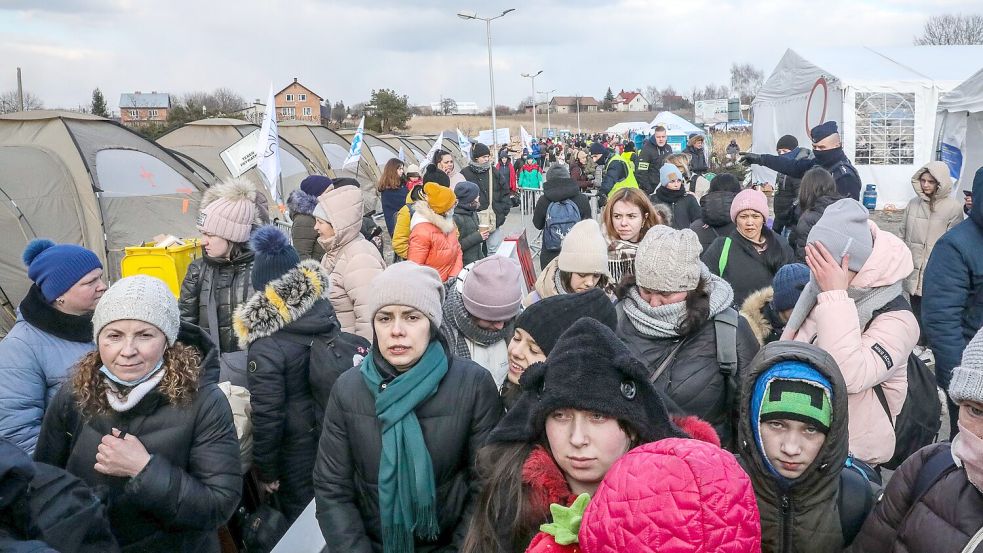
(715, 207)
(816, 192)
(671, 316)
(749, 258)
(143, 420)
(439, 408)
(673, 194)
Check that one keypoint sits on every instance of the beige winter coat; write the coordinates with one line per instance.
(923, 226)
(350, 259)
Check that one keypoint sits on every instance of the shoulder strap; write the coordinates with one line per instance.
(855, 500)
(725, 327)
(974, 542)
(879, 392)
(724, 254)
(938, 465)
(667, 361)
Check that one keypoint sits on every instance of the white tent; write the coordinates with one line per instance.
(884, 101)
(628, 126)
(959, 128)
(674, 124)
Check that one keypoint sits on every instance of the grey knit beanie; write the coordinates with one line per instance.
(668, 260)
(584, 250)
(558, 171)
(967, 378)
(412, 285)
(139, 298)
(844, 229)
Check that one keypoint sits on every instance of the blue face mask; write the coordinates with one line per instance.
(131, 383)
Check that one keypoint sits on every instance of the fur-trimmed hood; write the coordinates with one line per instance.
(423, 213)
(301, 202)
(283, 302)
(753, 311)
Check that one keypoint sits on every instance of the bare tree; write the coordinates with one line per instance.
(9, 103)
(745, 80)
(652, 94)
(228, 100)
(526, 102)
(952, 29)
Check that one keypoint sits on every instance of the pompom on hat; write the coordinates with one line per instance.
(55, 268)
(273, 255)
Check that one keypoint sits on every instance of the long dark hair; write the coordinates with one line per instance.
(565, 279)
(440, 153)
(816, 183)
(697, 304)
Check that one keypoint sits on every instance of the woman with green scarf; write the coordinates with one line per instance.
(394, 469)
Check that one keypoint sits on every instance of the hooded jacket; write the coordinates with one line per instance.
(557, 190)
(466, 221)
(301, 206)
(433, 242)
(191, 485)
(800, 232)
(650, 160)
(545, 286)
(401, 232)
(715, 220)
(530, 176)
(953, 312)
(861, 353)
(279, 343)
(350, 259)
(685, 208)
(36, 357)
(501, 201)
(806, 510)
(764, 322)
(924, 224)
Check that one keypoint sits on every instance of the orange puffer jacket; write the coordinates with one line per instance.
(433, 242)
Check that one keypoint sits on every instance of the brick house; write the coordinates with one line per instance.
(139, 108)
(296, 101)
(568, 104)
(630, 101)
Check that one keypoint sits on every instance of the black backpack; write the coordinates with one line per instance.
(329, 357)
(921, 415)
(860, 489)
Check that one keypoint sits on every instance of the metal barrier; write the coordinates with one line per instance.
(528, 198)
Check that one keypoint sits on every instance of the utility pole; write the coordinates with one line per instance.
(533, 78)
(20, 91)
(549, 125)
(578, 113)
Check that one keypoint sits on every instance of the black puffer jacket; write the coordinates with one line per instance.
(650, 161)
(301, 206)
(456, 421)
(748, 271)
(715, 222)
(800, 232)
(501, 201)
(284, 423)
(684, 206)
(694, 381)
(557, 190)
(224, 283)
(787, 191)
(191, 485)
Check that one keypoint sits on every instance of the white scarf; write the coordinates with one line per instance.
(121, 403)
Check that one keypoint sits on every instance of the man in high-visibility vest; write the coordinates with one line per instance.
(615, 172)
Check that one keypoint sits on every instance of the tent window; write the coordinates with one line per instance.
(130, 173)
(885, 129)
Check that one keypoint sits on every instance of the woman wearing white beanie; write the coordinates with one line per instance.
(581, 265)
(143, 418)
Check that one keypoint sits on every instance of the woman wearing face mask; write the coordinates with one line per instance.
(627, 216)
(749, 258)
(930, 214)
(672, 193)
(538, 328)
(934, 501)
(668, 315)
(143, 419)
(53, 330)
(581, 265)
(401, 430)
(580, 411)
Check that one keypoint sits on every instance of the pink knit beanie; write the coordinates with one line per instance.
(749, 199)
(230, 210)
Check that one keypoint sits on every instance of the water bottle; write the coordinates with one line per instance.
(870, 197)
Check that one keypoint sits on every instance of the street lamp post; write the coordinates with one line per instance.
(549, 125)
(533, 78)
(578, 113)
(491, 72)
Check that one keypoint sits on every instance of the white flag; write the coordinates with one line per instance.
(268, 148)
(402, 155)
(433, 150)
(464, 144)
(355, 152)
(526, 139)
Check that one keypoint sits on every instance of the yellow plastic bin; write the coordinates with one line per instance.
(169, 264)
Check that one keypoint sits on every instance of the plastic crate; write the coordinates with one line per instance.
(169, 264)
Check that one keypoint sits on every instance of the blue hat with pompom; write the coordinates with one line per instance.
(55, 268)
(273, 255)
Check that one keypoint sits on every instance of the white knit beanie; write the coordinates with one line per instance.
(967, 378)
(584, 250)
(139, 298)
(668, 260)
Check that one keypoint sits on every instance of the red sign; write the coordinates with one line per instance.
(820, 82)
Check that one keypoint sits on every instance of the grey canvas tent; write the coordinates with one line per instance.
(334, 148)
(81, 179)
(382, 151)
(206, 139)
(411, 151)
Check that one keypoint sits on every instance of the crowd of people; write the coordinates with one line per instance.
(692, 369)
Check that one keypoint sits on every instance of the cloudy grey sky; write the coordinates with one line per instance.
(343, 49)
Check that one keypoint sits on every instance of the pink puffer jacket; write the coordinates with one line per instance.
(673, 496)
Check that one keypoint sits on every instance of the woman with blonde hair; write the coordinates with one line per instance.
(627, 216)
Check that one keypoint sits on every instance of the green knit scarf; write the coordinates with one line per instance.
(407, 492)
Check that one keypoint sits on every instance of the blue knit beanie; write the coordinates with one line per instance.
(788, 284)
(315, 185)
(273, 255)
(55, 268)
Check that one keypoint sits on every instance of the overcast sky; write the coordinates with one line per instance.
(344, 49)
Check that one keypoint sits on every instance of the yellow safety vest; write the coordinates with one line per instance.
(629, 181)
